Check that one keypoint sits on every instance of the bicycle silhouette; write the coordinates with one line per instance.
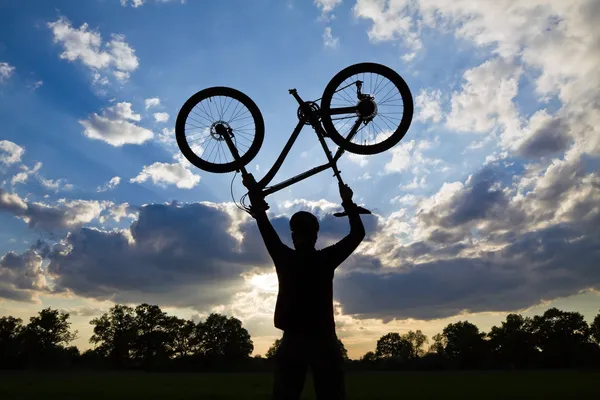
(235, 133)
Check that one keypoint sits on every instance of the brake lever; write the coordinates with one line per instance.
(360, 210)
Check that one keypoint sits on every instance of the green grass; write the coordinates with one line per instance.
(360, 385)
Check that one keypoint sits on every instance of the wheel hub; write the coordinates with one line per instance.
(219, 129)
(367, 108)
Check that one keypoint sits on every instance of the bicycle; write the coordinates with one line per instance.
(236, 131)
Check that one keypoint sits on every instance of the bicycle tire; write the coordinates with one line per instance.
(395, 137)
(192, 157)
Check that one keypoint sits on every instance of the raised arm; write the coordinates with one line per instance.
(272, 241)
(258, 209)
(342, 249)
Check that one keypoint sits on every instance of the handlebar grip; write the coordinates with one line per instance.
(360, 210)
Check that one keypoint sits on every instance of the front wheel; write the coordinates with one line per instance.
(212, 113)
(366, 108)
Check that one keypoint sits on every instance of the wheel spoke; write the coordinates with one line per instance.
(236, 114)
(386, 97)
(201, 116)
(208, 116)
(240, 119)
(195, 120)
(386, 124)
(197, 127)
(229, 105)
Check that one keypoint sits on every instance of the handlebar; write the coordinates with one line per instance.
(360, 210)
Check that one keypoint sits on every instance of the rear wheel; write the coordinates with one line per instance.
(366, 108)
(212, 113)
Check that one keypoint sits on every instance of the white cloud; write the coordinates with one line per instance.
(168, 174)
(416, 183)
(6, 71)
(486, 99)
(364, 177)
(80, 212)
(161, 117)
(100, 80)
(121, 111)
(21, 276)
(20, 177)
(122, 211)
(327, 6)
(391, 20)
(55, 185)
(84, 311)
(408, 57)
(139, 3)
(49, 184)
(86, 45)
(111, 184)
(114, 126)
(563, 61)
(401, 157)
(329, 40)
(167, 136)
(152, 102)
(36, 85)
(407, 199)
(410, 155)
(10, 153)
(65, 214)
(428, 104)
(360, 159)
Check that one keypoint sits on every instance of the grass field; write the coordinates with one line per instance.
(364, 385)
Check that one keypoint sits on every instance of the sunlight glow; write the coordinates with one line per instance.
(265, 282)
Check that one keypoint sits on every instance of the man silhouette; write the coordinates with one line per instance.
(304, 308)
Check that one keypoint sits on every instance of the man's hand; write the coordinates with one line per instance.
(346, 193)
(256, 198)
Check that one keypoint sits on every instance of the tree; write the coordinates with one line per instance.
(394, 347)
(11, 330)
(343, 350)
(46, 336)
(275, 346)
(595, 329)
(222, 336)
(151, 344)
(439, 344)
(368, 358)
(273, 349)
(512, 344)
(51, 328)
(465, 345)
(417, 340)
(115, 334)
(182, 340)
(563, 337)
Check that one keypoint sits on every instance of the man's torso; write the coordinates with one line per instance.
(305, 298)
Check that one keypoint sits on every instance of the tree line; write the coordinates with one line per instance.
(145, 337)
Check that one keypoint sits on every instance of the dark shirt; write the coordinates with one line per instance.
(305, 299)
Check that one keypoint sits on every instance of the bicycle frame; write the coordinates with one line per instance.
(314, 118)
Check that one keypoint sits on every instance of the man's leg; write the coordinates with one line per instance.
(327, 367)
(290, 368)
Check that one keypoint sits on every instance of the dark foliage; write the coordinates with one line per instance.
(147, 338)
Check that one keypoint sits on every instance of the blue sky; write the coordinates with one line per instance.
(498, 170)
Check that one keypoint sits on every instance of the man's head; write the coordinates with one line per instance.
(304, 227)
